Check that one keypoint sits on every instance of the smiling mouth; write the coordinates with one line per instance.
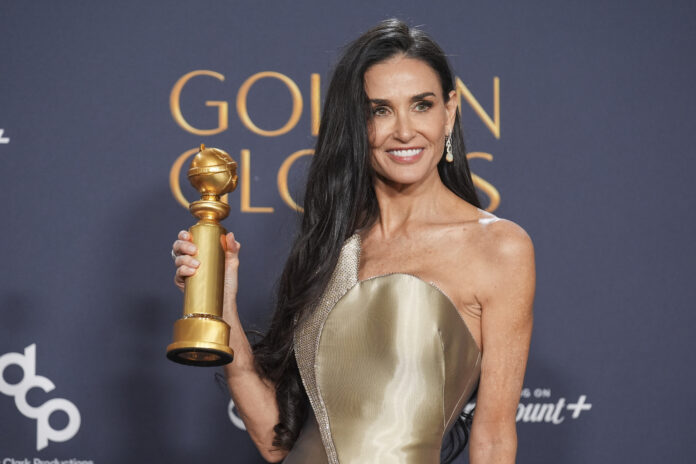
(405, 155)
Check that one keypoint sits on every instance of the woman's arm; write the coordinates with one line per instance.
(253, 395)
(506, 297)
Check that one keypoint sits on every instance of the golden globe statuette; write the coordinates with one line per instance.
(201, 337)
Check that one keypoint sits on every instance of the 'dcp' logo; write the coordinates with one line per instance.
(44, 431)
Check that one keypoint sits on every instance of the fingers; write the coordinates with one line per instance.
(184, 245)
(179, 277)
(184, 235)
(186, 261)
(229, 301)
(181, 273)
(186, 265)
(229, 244)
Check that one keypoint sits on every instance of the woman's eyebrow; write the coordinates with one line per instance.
(420, 96)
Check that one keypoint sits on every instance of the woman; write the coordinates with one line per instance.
(400, 296)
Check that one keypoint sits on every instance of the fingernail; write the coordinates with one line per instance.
(185, 235)
(196, 263)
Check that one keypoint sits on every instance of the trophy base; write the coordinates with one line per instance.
(201, 340)
(199, 356)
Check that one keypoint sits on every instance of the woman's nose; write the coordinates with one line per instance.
(404, 130)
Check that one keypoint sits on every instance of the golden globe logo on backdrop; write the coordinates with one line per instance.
(221, 107)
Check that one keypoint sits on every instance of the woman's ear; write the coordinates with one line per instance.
(451, 108)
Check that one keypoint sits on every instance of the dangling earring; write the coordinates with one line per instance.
(448, 146)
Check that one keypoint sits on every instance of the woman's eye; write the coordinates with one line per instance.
(379, 111)
(423, 106)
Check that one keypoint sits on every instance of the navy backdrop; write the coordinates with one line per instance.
(594, 158)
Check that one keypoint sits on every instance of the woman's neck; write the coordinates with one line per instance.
(402, 206)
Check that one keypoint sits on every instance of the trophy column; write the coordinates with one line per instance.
(201, 337)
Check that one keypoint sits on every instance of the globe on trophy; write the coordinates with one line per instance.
(201, 336)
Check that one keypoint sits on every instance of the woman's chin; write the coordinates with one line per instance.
(402, 179)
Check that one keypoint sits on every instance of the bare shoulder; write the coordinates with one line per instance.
(505, 255)
(504, 239)
(488, 239)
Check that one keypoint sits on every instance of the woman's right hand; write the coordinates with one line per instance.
(254, 396)
(186, 264)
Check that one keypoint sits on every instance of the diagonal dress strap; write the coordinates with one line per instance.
(306, 341)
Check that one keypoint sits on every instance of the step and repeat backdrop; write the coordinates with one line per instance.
(579, 119)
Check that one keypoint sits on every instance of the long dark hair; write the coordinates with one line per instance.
(340, 199)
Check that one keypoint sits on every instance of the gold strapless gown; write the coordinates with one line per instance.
(388, 364)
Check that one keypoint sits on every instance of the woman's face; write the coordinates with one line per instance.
(409, 121)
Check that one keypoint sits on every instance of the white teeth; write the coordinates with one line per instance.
(405, 153)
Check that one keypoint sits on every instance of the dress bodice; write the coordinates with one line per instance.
(388, 364)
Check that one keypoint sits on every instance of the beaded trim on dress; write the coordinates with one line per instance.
(306, 340)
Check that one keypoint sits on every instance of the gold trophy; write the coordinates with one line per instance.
(201, 337)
